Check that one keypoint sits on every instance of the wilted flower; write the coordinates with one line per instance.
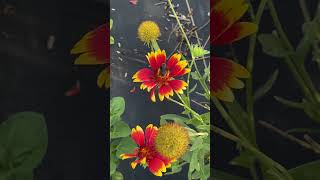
(162, 74)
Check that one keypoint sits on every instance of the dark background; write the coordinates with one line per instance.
(267, 108)
(140, 110)
(33, 78)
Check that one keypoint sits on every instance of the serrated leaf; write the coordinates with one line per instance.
(197, 144)
(120, 129)
(264, 89)
(272, 45)
(126, 145)
(117, 106)
(198, 51)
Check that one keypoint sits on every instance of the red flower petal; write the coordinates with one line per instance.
(152, 60)
(165, 91)
(143, 75)
(178, 85)
(156, 166)
(160, 57)
(137, 135)
(152, 94)
(95, 46)
(75, 90)
(151, 133)
(176, 70)
(133, 2)
(174, 59)
(149, 85)
(235, 32)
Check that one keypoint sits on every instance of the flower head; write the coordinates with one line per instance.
(94, 50)
(225, 76)
(224, 22)
(227, 29)
(161, 75)
(148, 31)
(93, 47)
(172, 141)
(146, 153)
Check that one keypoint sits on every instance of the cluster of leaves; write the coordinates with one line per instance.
(120, 140)
(23, 144)
(276, 46)
(198, 155)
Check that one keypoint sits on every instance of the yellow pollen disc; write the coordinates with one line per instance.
(148, 31)
(172, 140)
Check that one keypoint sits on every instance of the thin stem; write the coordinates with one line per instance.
(298, 69)
(262, 157)
(196, 33)
(305, 11)
(203, 84)
(196, 115)
(250, 64)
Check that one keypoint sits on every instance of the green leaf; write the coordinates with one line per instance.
(113, 163)
(245, 160)
(194, 163)
(197, 144)
(126, 145)
(198, 51)
(121, 129)
(117, 106)
(175, 168)
(173, 117)
(117, 176)
(308, 171)
(272, 45)
(195, 76)
(267, 86)
(289, 103)
(220, 175)
(24, 139)
(187, 156)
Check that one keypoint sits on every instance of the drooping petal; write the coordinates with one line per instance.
(236, 32)
(178, 85)
(143, 75)
(137, 135)
(149, 85)
(128, 156)
(152, 94)
(224, 74)
(103, 78)
(157, 166)
(165, 91)
(151, 133)
(138, 161)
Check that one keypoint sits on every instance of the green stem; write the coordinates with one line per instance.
(196, 115)
(261, 156)
(298, 70)
(250, 64)
(202, 82)
(155, 45)
(305, 11)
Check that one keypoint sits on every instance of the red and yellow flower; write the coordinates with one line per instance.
(226, 29)
(94, 50)
(161, 75)
(146, 153)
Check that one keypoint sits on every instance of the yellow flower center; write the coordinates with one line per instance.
(172, 140)
(148, 31)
